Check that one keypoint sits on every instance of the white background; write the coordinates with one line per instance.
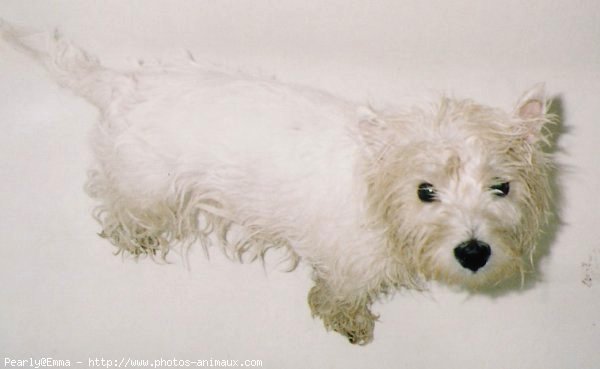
(64, 295)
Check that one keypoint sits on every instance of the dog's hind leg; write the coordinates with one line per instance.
(139, 229)
(152, 225)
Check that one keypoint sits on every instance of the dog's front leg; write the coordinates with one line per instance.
(347, 314)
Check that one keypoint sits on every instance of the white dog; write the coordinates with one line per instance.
(373, 201)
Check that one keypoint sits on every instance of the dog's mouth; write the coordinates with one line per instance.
(473, 264)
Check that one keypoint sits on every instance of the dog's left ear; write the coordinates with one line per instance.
(531, 112)
(373, 132)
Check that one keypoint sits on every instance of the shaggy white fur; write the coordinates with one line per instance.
(373, 201)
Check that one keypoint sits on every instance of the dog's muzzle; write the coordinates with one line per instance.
(472, 254)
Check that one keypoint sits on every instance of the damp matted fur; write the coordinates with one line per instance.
(374, 201)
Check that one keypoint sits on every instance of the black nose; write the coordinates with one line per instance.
(472, 254)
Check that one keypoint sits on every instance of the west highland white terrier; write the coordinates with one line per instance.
(374, 201)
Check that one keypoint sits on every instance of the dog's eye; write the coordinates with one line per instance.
(426, 192)
(501, 189)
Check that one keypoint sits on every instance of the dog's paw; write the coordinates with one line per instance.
(138, 244)
(358, 330)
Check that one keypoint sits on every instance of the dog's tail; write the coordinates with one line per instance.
(70, 66)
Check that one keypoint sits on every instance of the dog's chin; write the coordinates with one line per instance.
(485, 279)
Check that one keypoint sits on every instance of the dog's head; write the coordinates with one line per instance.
(461, 189)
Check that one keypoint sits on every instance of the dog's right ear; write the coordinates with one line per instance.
(373, 131)
(532, 112)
